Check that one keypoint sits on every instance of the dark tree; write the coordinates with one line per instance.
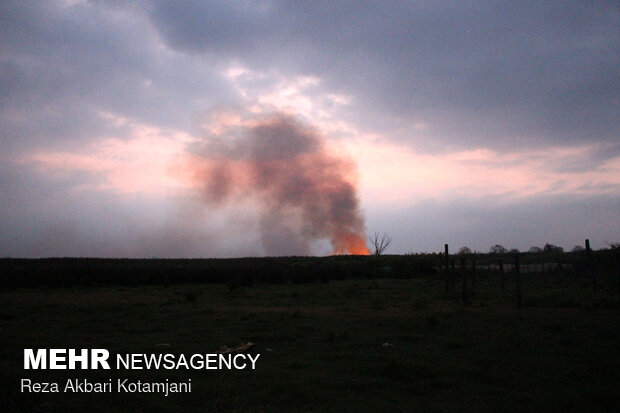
(552, 248)
(498, 249)
(380, 241)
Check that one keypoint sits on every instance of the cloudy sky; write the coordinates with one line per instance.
(462, 122)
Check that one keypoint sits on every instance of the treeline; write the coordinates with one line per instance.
(604, 259)
(66, 272)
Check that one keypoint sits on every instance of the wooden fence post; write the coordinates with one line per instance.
(518, 275)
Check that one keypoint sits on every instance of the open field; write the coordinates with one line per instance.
(345, 345)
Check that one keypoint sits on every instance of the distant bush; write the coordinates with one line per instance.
(498, 249)
(552, 248)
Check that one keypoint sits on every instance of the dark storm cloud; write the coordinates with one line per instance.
(62, 66)
(481, 73)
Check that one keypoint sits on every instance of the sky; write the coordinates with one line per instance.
(472, 123)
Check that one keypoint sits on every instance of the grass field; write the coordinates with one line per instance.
(344, 346)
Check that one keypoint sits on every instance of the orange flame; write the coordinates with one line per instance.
(350, 244)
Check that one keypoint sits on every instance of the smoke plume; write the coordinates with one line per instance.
(305, 193)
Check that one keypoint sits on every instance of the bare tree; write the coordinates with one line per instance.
(380, 241)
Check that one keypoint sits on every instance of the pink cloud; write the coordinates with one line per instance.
(138, 164)
(392, 172)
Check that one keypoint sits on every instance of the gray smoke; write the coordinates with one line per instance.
(305, 192)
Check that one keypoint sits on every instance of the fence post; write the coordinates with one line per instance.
(518, 275)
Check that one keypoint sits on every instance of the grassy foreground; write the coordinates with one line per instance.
(344, 346)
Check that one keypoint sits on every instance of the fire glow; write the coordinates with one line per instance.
(306, 193)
